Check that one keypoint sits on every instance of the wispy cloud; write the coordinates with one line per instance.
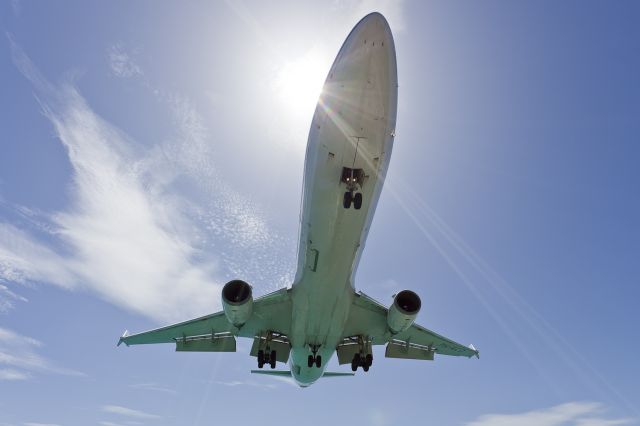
(16, 6)
(568, 414)
(122, 63)
(20, 354)
(128, 412)
(152, 387)
(11, 374)
(235, 383)
(8, 297)
(131, 234)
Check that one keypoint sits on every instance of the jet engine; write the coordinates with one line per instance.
(403, 311)
(237, 302)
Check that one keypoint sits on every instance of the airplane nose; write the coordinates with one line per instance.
(374, 25)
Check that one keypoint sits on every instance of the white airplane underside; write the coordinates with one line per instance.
(348, 152)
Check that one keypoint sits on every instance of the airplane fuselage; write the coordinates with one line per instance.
(352, 129)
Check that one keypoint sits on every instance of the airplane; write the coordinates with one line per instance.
(347, 157)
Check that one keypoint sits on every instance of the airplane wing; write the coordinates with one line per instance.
(369, 318)
(215, 333)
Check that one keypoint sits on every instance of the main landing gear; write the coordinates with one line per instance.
(364, 357)
(361, 361)
(353, 178)
(266, 355)
(314, 359)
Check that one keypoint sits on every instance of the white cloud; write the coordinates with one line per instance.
(568, 414)
(20, 352)
(128, 412)
(105, 423)
(121, 63)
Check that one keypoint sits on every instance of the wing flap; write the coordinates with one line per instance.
(207, 344)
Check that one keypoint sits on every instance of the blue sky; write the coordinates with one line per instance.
(152, 151)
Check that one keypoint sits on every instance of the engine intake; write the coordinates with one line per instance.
(403, 311)
(237, 302)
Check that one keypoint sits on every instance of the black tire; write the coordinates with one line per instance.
(355, 363)
(365, 367)
(369, 360)
(318, 361)
(347, 199)
(357, 201)
(310, 361)
(260, 358)
(273, 359)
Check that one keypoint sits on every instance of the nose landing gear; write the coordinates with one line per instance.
(353, 178)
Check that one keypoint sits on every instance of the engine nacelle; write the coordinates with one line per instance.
(237, 302)
(403, 311)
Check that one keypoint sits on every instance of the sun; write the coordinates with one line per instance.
(299, 82)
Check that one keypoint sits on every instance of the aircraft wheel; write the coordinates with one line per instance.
(369, 360)
(365, 367)
(260, 358)
(318, 361)
(346, 201)
(357, 201)
(273, 359)
(354, 366)
(310, 361)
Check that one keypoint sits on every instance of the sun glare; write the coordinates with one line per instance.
(299, 82)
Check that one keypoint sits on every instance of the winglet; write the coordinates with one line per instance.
(475, 350)
(124, 335)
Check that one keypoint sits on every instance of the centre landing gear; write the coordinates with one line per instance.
(266, 355)
(314, 359)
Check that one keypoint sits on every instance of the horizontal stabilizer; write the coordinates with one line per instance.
(336, 374)
(287, 373)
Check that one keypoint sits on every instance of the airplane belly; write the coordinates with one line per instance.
(353, 127)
